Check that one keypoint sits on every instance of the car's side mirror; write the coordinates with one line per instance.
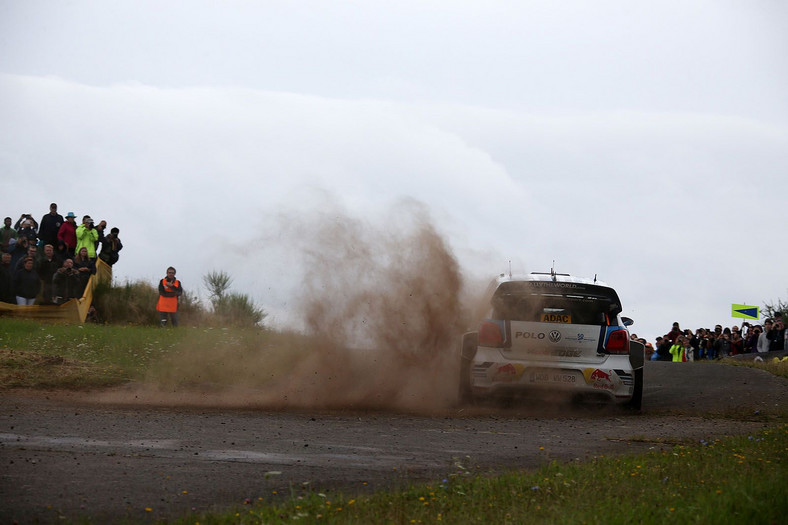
(627, 321)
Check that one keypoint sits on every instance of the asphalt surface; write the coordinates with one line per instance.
(64, 456)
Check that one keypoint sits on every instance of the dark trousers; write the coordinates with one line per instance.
(173, 317)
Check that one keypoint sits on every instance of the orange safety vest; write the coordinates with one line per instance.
(168, 304)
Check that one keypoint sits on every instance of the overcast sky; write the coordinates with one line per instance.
(643, 142)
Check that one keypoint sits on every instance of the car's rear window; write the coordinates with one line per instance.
(567, 303)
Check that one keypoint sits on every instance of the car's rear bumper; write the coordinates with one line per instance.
(613, 379)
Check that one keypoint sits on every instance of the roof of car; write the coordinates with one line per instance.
(550, 284)
(548, 277)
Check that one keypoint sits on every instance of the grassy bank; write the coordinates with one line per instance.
(35, 355)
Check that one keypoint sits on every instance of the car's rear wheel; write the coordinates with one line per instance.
(466, 394)
(637, 394)
(470, 341)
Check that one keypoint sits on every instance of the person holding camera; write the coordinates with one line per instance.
(776, 335)
(65, 283)
(87, 237)
(110, 246)
(26, 217)
(27, 230)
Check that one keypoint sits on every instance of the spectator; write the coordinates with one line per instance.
(62, 251)
(6, 278)
(85, 267)
(763, 341)
(677, 350)
(649, 351)
(776, 335)
(663, 350)
(674, 333)
(169, 291)
(6, 234)
(102, 225)
(32, 250)
(694, 343)
(26, 284)
(110, 247)
(22, 218)
(67, 233)
(722, 346)
(50, 226)
(87, 235)
(689, 352)
(737, 343)
(654, 353)
(704, 346)
(66, 283)
(18, 252)
(751, 339)
(27, 230)
(46, 267)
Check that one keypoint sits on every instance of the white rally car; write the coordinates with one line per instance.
(549, 332)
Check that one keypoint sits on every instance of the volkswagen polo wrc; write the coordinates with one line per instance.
(548, 332)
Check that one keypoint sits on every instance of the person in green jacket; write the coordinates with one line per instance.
(677, 350)
(87, 236)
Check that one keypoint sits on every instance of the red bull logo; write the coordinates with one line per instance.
(599, 375)
(508, 372)
(599, 379)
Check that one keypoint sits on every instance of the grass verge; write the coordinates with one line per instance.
(732, 480)
(775, 365)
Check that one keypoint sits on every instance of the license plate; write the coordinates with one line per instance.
(551, 377)
(556, 318)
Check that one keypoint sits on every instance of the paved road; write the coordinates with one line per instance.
(69, 457)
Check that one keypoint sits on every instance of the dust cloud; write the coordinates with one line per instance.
(382, 310)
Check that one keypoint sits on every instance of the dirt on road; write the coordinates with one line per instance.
(75, 456)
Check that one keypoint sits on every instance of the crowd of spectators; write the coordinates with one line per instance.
(704, 343)
(51, 262)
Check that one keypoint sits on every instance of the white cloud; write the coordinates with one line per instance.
(646, 144)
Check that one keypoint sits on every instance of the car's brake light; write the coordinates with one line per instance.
(491, 334)
(618, 342)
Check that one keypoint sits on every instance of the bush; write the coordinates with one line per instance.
(238, 310)
(135, 303)
(234, 309)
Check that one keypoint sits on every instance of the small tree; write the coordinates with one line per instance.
(772, 308)
(217, 283)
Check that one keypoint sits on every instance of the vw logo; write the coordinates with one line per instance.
(555, 336)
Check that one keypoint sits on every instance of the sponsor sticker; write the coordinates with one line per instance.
(598, 378)
(556, 318)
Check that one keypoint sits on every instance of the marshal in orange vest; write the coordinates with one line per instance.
(169, 291)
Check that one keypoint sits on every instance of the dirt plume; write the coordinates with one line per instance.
(382, 312)
(384, 308)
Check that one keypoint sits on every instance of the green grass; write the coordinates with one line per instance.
(733, 480)
(35, 355)
(775, 365)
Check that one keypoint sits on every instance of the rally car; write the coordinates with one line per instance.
(552, 333)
